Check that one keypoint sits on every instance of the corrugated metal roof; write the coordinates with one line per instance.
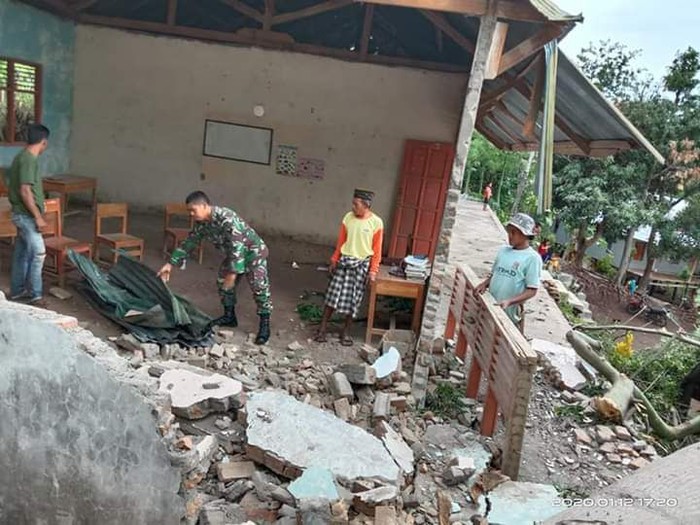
(581, 109)
(553, 12)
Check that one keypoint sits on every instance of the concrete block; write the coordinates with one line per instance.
(342, 408)
(368, 353)
(367, 502)
(341, 387)
(397, 447)
(380, 411)
(314, 483)
(359, 374)
(234, 470)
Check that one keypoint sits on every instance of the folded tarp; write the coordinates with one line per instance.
(132, 295)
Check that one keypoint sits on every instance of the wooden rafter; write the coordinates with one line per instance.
(505, 9)
(366, 29)
(491, 97)
(497, 123)
(496, 51)
(317, 9)
(598, 148)
(244, 9)
(502, 108)
(529, 47)
(440, 22)
(486, 132)
(269, 13)
(172, 12)
(535, 100)
(248, 40)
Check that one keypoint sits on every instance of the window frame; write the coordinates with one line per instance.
(38, 91)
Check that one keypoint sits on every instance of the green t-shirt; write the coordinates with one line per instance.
(513, 271)
(24, 170)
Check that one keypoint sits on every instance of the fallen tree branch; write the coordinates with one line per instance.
(584, 348)
(664, 333)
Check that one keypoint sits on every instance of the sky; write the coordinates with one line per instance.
(659, 28)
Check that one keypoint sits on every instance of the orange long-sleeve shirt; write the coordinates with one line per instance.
(360, 238)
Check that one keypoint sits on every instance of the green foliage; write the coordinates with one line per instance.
(568, 311)
(310, 313)
(574, 412)
(681, 78)
(570, 493)
(606, 267)
(658, 372)
(445, 401)
(594, 388)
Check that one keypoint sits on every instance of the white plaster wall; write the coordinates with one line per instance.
(141, 102)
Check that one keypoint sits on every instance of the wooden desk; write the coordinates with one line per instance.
(67, 184)
(393, 286)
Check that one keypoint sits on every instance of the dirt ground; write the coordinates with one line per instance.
(198, 283)
(609, 307)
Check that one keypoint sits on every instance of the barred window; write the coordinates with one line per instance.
(20, 99)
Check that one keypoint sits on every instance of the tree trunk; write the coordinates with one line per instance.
(614, 403)
(580, 250)
(651, 258)
(584, 347)
(626, 254)
(523, 179)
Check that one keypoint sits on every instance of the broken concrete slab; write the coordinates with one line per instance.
(564, 359)
(387, 364)
(193, 396)
(367, 502)
(277, 440)
(342, 408)
(73, 441)
(397, 447)
(314, 483)
(359, 374)
(341, 387)
(521, 503)
(382, 404)
(234, 470)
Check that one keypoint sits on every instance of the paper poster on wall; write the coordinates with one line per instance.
(311, 168)
(227, 140)
(286, 160)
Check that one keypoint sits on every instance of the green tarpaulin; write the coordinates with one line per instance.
(132, 295)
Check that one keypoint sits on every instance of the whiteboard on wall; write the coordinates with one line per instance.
(226, 140)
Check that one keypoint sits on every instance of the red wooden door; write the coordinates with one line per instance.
(425, 175)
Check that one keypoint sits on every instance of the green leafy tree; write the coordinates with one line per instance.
(681, 79)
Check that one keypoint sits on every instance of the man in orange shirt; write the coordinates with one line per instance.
(488, 192)
(354, 263)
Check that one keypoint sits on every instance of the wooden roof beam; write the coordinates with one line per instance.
(244, 9)
(505, 9)
(598, 148)
(366, 29)
(496, 51)
(269, 13)
(491, 97)
(535, 100)
(440, 22)
(529, 47)
(317, 9)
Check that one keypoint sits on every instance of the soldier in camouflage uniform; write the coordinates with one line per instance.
(245, 251)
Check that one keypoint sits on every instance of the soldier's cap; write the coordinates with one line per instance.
(524, 223)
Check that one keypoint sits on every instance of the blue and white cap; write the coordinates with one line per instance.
(524, 223)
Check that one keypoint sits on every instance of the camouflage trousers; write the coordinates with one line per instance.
(257, 279)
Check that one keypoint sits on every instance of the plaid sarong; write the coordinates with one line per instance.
(347, 286)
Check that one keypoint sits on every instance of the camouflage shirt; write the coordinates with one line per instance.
(228, 233)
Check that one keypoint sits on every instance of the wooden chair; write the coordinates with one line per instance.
(57, 245)
(134, 246)
(3, 187)
(173, 236)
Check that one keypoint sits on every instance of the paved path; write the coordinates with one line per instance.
(476, 239)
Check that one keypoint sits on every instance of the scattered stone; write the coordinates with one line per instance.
(137, 360)
(340, 386)
(60, 293)
(454, 476)
(226, 334)
(365, 395)
(200, 361)
(402, 388)
(314, 483)
(223, 423)
(639, 445)
(568, 397)
(582, 436)
(283, 496)
(648, 451)
(339, 511)
(400, 403)
(564, 360)
(625, 449)
(613, 458)
(385, 515)
(380, 411)
(256, 510)
(368, 353)
(607, 448)
(279, 442)
(397, 447)
(388, 364)
(234, 470)
(622, 433)
(604, 434)
(191, 400)
(150, 350)
(296, 346)
(342, 408)
(359, 374)
(638, 463)
(314, 512)
(216, 351)
(128, 342)
(367, 502)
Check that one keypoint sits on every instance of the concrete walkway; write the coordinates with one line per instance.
(476, 239)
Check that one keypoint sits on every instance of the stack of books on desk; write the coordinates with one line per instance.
(416, 267)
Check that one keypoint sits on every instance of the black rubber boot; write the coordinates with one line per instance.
(264, 330)
(228, 319)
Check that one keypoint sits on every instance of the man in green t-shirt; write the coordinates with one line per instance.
(26, 196)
